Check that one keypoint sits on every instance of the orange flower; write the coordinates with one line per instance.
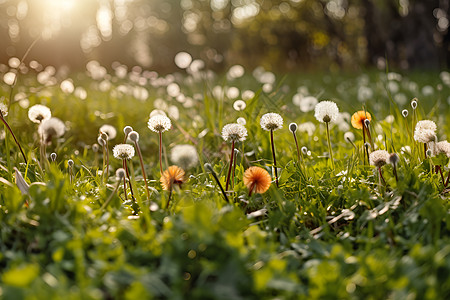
(359, 117)
(173, 175)
(257, 179)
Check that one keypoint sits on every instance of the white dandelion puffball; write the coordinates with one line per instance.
(307, 103)
(425, 131)
(109, 130)
(241, 121)
(379, 158)
(133, 136)
(443, 147)
(4, 109)
(123, 151)
(51, 128)
(271, 121)
(234, 132)
(326, 111)
(38, 113)
(349, 136)
(159, 123)
(184, 156)
(239, 105)
(307, 127)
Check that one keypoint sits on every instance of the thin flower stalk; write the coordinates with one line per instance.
(138, 149)
(329, 144)
(125, 166)
(274, 157)
(14, 137)
(231, 165)
(209, 168)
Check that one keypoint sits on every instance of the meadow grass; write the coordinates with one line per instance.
(325, 232)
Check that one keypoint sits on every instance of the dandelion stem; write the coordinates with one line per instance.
(231, 165)
(14, 137)
(438, 169)
(107, 160)
(329, 145)
(142, 169)
(296, 144)
(274, 158)
(381, 176)
(395, 172)
(160, 152)
(124, 181)
(448, 179)
(364, 145)
(170, 196)
(110, 196)
(125, 166)
(218, 182)
(425, 150)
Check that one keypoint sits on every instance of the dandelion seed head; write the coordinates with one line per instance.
(101, 141)
(120, 174)
(241, 121)
(443, 147)
(4, 109)
(378, 158)
(127, 130)
(367, 145)
(271, 121)
(293, 127)
(53, 156)
(414, 103)
(95, 148)
(70, 163)
(239, 105)
(359, 118)
(123, 151)
(38, 113)
(367, 123)
(429, 152)
(234, 132)
(184, 155)
(133, 136)
(173, 175)
(109, 130)
(51, 128)
(304, 150)
(307, 103)
(349, 136)
(307, 127)
(257, 179)
(425, 131)
(405, 113)
(394, 159)
(159, 123)
(326, 111)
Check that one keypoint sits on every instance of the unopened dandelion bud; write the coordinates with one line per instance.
(70, 163)
(367, 123)
(429, 152)
(109, 130)
(208, 167)
(133, 136)
(120, 173)
(394, 159)
(414, 103)
(127, 130)
(104, 136)
(53, 156)
(349, 136)
(293, 127)
(304, 150)
(405, 113)
(101, 141)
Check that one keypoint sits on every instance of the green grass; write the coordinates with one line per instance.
(320, 235)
